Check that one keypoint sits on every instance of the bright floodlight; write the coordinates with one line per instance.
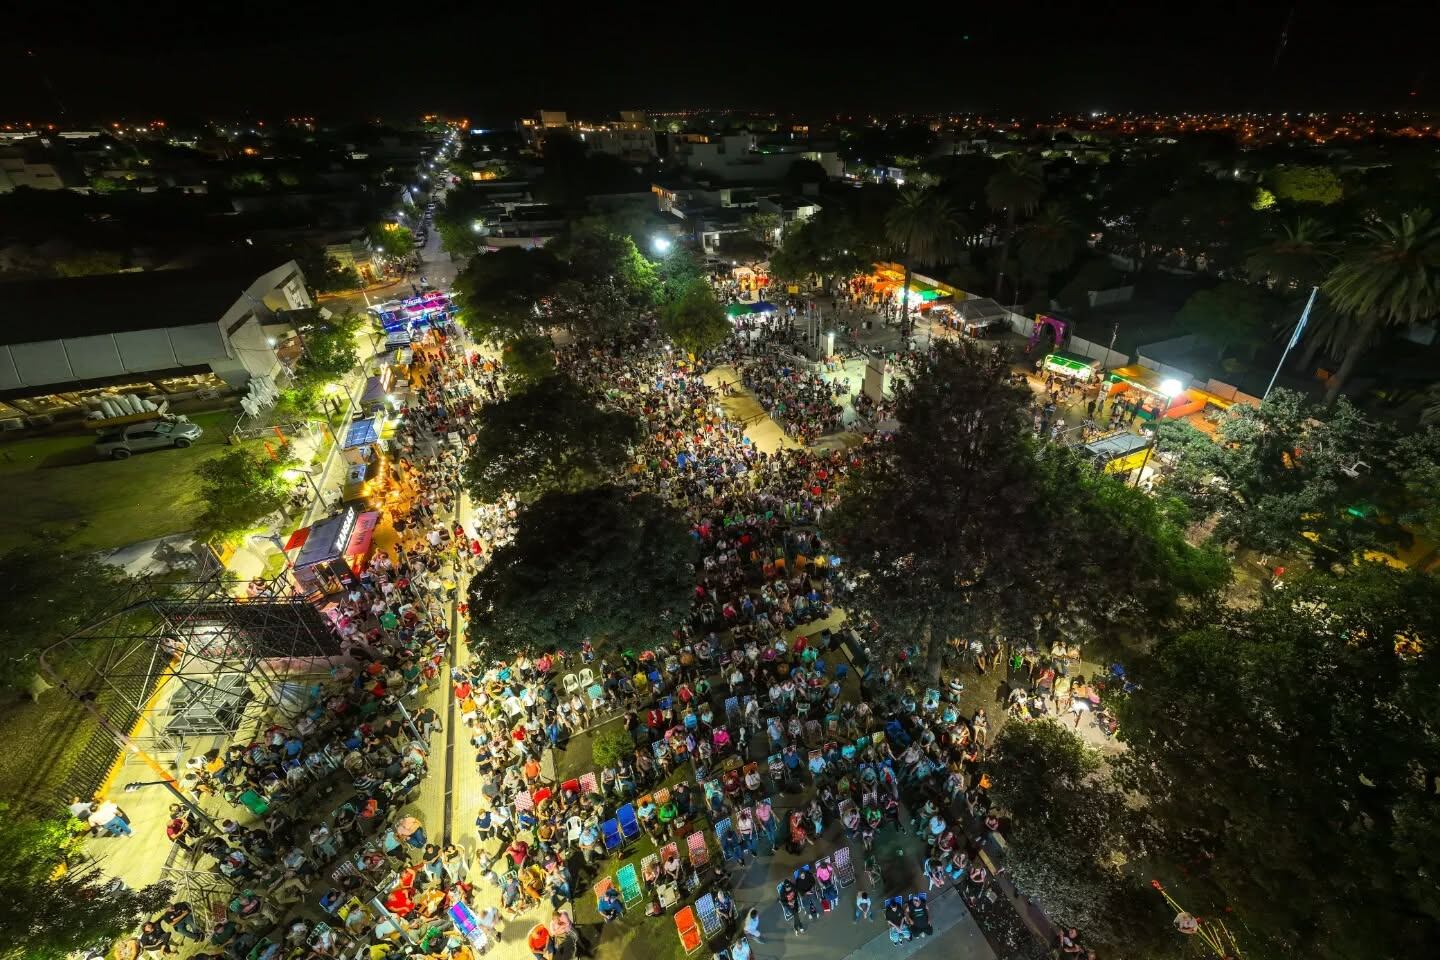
(660, 244)
(1171, 387)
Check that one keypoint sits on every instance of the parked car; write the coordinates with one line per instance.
(120, 443)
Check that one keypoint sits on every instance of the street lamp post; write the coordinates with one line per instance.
(1170, 388)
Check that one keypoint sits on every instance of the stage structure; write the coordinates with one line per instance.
(177, 669)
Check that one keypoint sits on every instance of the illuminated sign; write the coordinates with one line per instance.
(347, 527)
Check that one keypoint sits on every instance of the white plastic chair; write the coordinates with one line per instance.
(572, 683)
(587, 677)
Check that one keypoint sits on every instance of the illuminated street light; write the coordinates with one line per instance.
(660, 245)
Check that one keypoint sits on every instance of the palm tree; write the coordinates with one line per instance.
(1299, 256)
(1049, 242)
(924, 227)
(1015, 188)
(1390, 277)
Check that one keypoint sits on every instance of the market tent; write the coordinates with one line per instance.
(360, 433)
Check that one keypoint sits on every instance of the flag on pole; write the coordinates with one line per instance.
(1304, 318)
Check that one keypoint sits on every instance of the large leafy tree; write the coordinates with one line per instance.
(238, 489)
(1015, 188)
(674, 273)
(1286, 477)
(695, 322)
(1389, 276)
(1230, 315)
(599, 563)
(962, 525)
(393, 240)
(50, 592)
(54, 906)
(528, 360)
(499, 293)
(828, 245)
(329, 345)
(553, 436)
(1306, 184)
(923, 227)
(1070, 831)
(1290, 756)
(600, 256)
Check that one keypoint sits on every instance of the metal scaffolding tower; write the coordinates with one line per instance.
(173, 663)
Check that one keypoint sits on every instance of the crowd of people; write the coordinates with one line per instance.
(748, 725)
(802, 402)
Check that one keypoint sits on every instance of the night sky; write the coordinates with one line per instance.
(494, 61)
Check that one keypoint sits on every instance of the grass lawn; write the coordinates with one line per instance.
(42, 741)
(637, 935)
(57, 484)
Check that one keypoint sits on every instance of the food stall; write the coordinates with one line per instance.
(363, 451)
(333, 550)
(407, 320)
(384, 393)
(1072, 365)
(1117, 452)
(1155, 392)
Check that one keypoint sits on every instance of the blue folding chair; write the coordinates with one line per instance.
(629, 823)
(613, 839)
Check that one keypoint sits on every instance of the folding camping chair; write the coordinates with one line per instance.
(605, 884)
(668, 890)
(596, 693)
(844, 866)
(611, 831)
(709, 916)
(629, 882)
(689, 930)
(826, 905)
(524, 802)
(589, 784)
(698, 848)
(629, 823)
(732, 706)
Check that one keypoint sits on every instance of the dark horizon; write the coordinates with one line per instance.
(353, 62)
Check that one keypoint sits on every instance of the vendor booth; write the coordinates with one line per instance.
(383, 393)
(1157, 394)
(1071, 365)
(333, 550)
(404, 320)
(363, 450)
(1117, 452)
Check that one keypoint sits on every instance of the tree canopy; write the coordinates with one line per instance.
(1232, 314)
(1069, 835)
(695, 322)
(53, 907)
(498, 293)
(50, 592)
(963, 524)
(1289, 756)
(1306, 184)
(597, 563)
(329, 344)
(528, 360)
(1289, 477)
(238, 488)
(553, 436)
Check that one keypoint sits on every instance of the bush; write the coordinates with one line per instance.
(611, 746)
